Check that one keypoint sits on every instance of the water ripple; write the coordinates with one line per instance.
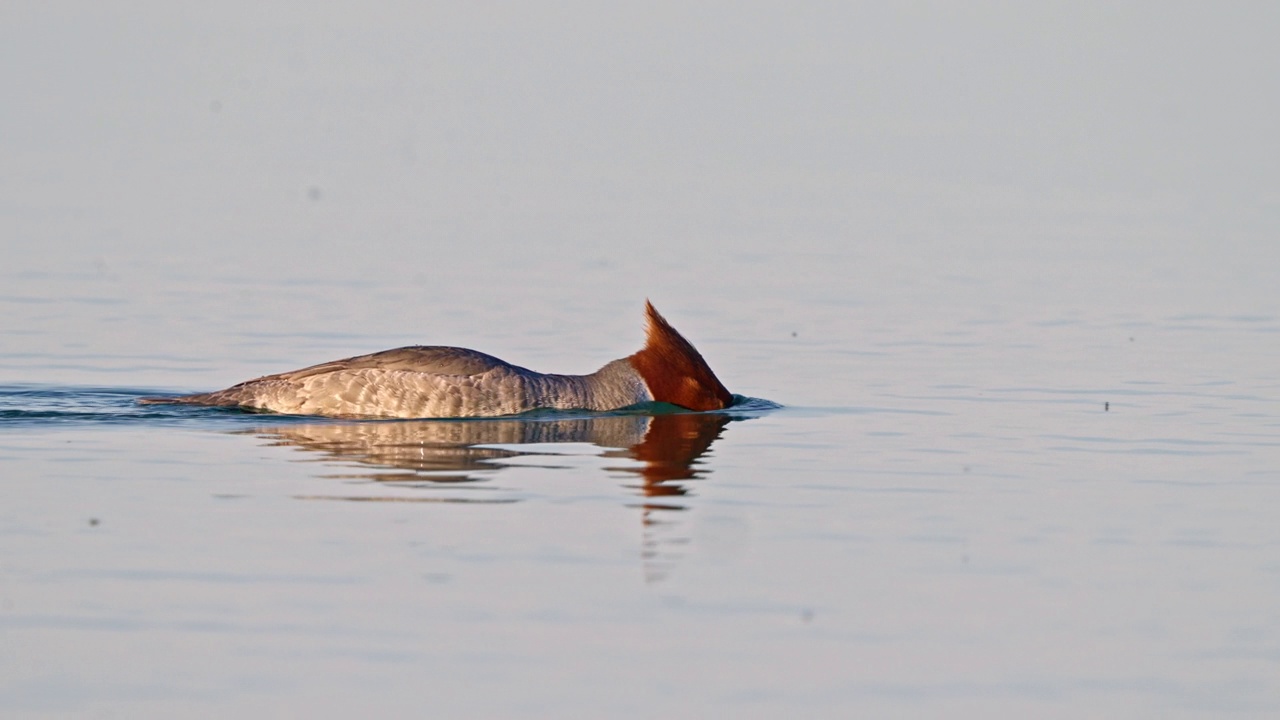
(33, 405)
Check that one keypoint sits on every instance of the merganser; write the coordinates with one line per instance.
(435, 382)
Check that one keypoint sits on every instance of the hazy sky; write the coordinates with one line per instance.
(474, 134)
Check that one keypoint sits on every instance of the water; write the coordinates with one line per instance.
(1010, 274)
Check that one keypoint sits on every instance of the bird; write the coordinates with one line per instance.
(448, 382)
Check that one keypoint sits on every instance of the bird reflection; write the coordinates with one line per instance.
(446, 451)
(670, 450)
(440, 454)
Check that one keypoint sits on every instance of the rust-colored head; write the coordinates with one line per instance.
(673, 369)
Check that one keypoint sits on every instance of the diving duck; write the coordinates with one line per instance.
(442, 382)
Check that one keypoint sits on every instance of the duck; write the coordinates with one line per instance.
(419, 382)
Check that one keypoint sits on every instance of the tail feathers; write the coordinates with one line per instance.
(212, 399)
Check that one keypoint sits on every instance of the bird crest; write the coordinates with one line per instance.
(674, 370)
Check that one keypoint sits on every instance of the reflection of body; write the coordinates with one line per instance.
(425, 382)
(445, 446)
(667, 445)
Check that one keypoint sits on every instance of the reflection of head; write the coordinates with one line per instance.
(670, 450)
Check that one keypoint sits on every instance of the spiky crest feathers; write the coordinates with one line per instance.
(674, 370)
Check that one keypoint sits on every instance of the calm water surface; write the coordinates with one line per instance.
(994, 546)
(1009, 273)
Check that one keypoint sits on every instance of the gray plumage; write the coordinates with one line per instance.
(424, 382)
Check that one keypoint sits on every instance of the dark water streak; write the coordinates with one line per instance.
(35, 405)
